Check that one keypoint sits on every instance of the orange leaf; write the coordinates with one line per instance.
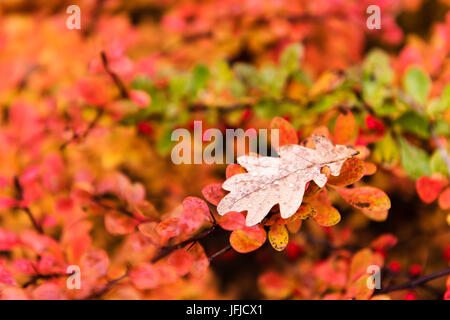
(352, 170)
(278, 236)
(213, 193)
(148, 229)
(326, 215)
(294, 226)
(345, 128)
(275, 285)
(361, 261)
(373, 202)
(248, 239)
(233, 169)
(371, 168)
(287, 133)
(305, 211)
(117, 223)
(428, 188)
(444, 199)
(168, 228)
(359, 290)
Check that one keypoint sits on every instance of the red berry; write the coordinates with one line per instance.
(145, 128)
(447, 253)
(247, 114)
(376, 124)
(395, 266)
(410, 296)
(415, 270)
(293, 250)
(447, 295)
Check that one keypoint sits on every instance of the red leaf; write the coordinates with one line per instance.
(119, 224)
(8, 239)
(213, 193)
(181, 260)
(93, 92)
(384, 242)
(145, 276)
(94, 263)
(6, 277)
(201, 261)
(428, 188)
(287, 133)
(195, 213)
(48, 291)
(232, 221)
(141, 98)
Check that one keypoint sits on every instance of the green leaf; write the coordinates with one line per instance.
(290, 57)
(417, 84)
(377, 68)
(165, 143)
(200, 78)
(415, 161)
(438, 164)
(411, 121)
(386, 150)
(441, 128)
(438, 106)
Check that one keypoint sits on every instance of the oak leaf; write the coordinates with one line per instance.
(281, 180)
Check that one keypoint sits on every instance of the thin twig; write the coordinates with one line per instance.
(94, 18)
(19, 197)
(118, 82)
(165, 251)
(106, 288)
(86, 132)
(417, 282)
(218, 253)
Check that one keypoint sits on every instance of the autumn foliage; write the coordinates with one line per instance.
(360, 177)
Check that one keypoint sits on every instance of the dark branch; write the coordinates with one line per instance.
(417, 282)
(88, 130)
(19, 197)
(218, 253)
(117, 81)
(165, 251)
